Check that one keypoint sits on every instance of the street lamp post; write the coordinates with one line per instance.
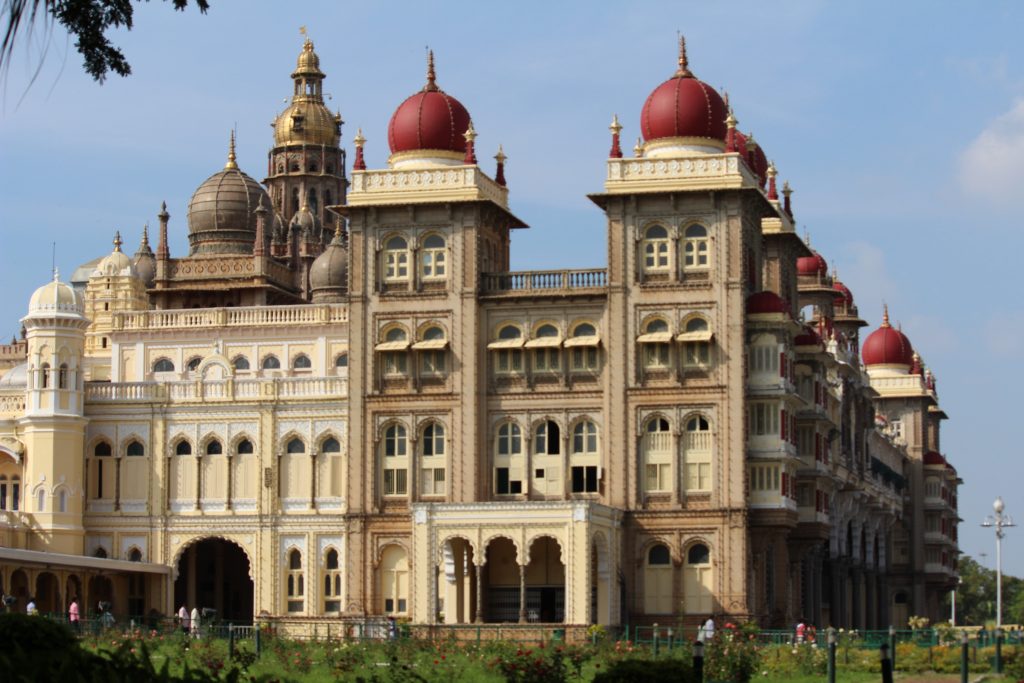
(999, 522)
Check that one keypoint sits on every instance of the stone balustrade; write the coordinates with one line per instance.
(534, 282)
(246, 316)
(214, 390)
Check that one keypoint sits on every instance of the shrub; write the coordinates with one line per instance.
(642, 670)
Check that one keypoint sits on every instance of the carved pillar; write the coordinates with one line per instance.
(522, 594)
(479, 593)
(117, 482)
(230, 480)
(199, 481)
(312, 479)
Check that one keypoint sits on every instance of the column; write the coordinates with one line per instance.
(478, 568)
(230, 479)
(312, 478)
(522, 594)
(117, 482)
(199, 480)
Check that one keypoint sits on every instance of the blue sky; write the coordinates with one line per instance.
(899, 125)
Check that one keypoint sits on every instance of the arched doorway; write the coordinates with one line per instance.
(457, 581)
(545, 582)
(214, 573)
(101, 589)
(19, 589)
(48, 594)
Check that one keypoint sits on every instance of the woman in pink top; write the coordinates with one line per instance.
(73, 615)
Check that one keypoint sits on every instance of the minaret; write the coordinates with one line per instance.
(306, 166)
(53, 428)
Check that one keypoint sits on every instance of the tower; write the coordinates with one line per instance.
(53, 426)
(306, 167)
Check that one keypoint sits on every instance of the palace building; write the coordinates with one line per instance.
(342, 404)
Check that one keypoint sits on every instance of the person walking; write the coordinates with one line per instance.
(30, 608)
(194, 622)
(183, 618)
(73, 615)
(707, 631)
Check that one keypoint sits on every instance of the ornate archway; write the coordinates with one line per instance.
(215, 573)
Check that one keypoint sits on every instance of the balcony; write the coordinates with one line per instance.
(532, 283)
(245, 316)
(217, 390)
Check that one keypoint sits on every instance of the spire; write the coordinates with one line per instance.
(145, 236)
(162, 251)
(359, 141)
(231, 153)
(470, 136)
(786, 203)
(431, 85)
(499, 174)
(751, 146)
(117, 241)
(338, 240)
(260, 245)
(684, 69)
(615, 128)
(885, 315)
(638, 148)
(773, 193)
(730, 132)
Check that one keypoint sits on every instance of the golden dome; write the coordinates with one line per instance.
(307, 122)
(308, 62)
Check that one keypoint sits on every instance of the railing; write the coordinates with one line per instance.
(658, 442)
(285, 387)
(12, 403)
(544, 281)
(248, 316)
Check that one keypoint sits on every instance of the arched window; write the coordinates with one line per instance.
(163, 365)
(654, 248)
(183, 448)
(657, 455)
(697, 580)
(295, 191)
(245, 447)
(432, 349)
(100, 553)
(135, 449)
(62, 376)
(695, 249)
(547, 439)
(509, 350)
(213, 447)
(432, 460)
(432, 258)
(270, 363)
(296, 445)
(396, 260)
(394, 580)
(332, 581)
(135, 555)
(396, 461)
(102, 449)
(658, 597)
(302, 362)
(547, 351)
(697, 455)
(240, 363)
(583, 343)
(193, 363)
(44, 379)
(341, 361)
(296, 582)
(394, 352)
(656, 343)
(62, 500)
(41, 500)
(3, 492)
(15, 493)
(330, 445)
(584, 458)
(509, 469)
(314, 201)
(696, 338)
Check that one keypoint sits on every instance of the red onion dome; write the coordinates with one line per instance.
(760, 164)
(807, 337)
(430, 119)
(765, 302)
(887, 346)
(844, 295)
(812, 265)
(934, 458)
(683, 107)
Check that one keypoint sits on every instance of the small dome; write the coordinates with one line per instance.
(684, 107)
(15, 378)
(308, 62)
(55, 299)
(328, 276)
(807, 337)
(760, 165)
(844, 295)
(222, 212)
(81, 274)
(116, 263)
(306, 222)
(765, 302)
(431, 120)
(813, 265)
(887, 346)
(307, 122)
(144, 261)
(934, 458)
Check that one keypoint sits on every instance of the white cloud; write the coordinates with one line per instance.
(992, 165)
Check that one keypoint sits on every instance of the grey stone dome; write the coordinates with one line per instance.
(221, 213)
(15, 378)
(328, 276)
(306, 223)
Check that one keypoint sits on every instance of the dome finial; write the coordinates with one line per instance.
(470, 136)
(773, 193)
(499, 174)
(359, 141)
(787, 203)
(615, 128)
(684, 65)
(117, 240)
(431, 74)
(231, 152)
(638, 148)
(885, 315)
(145, 235)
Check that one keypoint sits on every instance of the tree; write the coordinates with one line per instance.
(87, 20)
(976, 595)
